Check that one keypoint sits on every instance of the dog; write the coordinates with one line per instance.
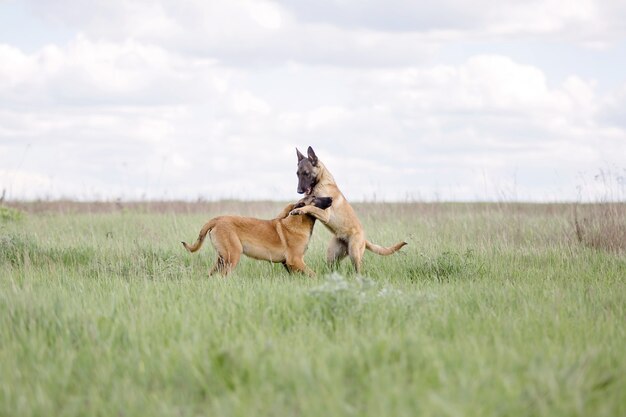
(349, 240)
(283, 239)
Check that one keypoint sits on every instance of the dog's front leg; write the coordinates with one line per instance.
(318, 213)
(298, 265)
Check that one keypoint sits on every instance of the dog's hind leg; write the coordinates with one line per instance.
(229, 249)
(230, 257)
(218, 267)
(356, 248)
(226, 263)
(337, 250)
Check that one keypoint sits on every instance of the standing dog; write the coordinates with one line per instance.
(283, 239)
(349, 240)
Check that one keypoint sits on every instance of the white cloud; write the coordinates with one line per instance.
(485, 82)
(584, 21)
(30, 185)
(238, 32)
(177, 100)
(253, 32)
(87, 72)
(404, 127)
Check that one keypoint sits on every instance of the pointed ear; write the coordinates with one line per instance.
(312, 156)
(300, 156)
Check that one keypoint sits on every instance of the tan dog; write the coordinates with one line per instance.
(283, 239)
(349, 240)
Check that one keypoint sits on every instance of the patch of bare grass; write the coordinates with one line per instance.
(601, 226)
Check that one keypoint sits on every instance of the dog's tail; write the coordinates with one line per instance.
(381, 250)
(203, 232)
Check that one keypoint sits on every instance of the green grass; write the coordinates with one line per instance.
(490, 310)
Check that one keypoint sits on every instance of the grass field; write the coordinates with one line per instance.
(492, 309)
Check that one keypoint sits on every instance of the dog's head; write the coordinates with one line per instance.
(308, 171)
(311, 200)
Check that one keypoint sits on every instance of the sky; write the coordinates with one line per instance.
(401, 100)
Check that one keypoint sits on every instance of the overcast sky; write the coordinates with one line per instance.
(187, 99)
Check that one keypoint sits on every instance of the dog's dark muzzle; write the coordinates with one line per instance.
(305, 190)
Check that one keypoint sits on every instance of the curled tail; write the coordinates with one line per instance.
(203, 232)
(381, 250)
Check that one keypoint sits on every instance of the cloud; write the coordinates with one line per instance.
(238, 32)
(246, 32)
(180, 100)
(87, 72)
(583, 21)
(138, 121)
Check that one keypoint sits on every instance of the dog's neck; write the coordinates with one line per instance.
(324, 178)
(326, 185)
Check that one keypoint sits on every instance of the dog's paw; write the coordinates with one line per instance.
(295, 212)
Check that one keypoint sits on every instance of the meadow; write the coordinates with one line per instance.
(491, 310)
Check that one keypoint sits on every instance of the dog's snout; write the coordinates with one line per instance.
(300, 190)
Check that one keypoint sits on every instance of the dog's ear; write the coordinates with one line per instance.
(300, 156)
(312, 156)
